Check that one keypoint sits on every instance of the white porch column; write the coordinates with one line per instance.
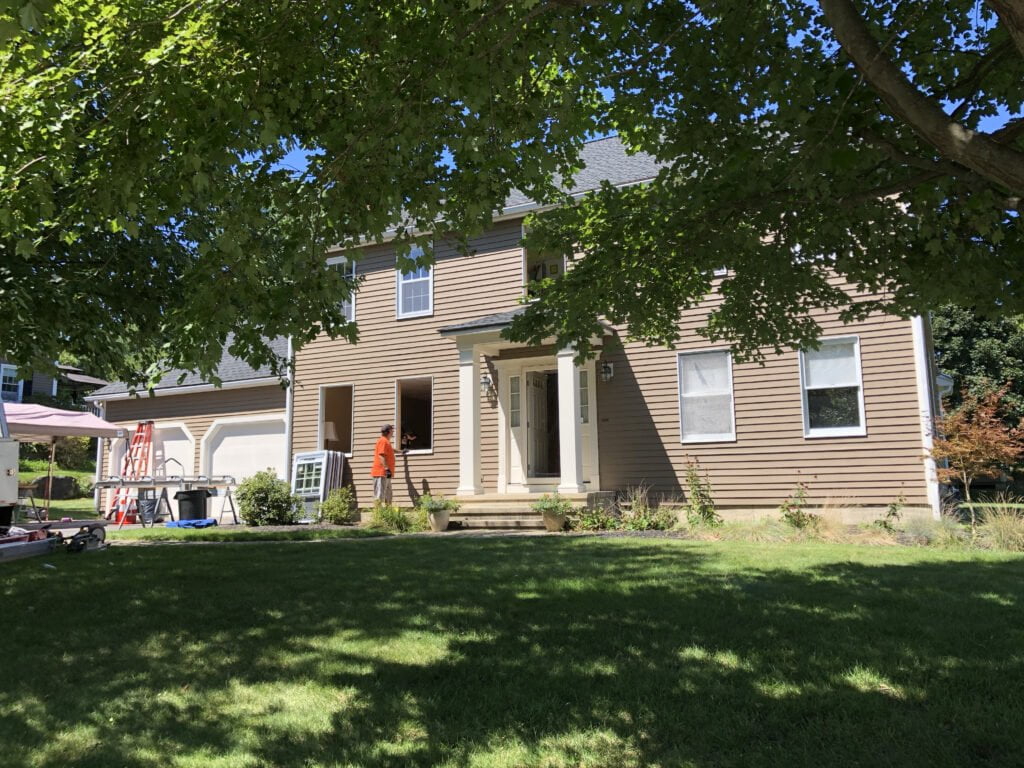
(469, 421)
(569, 437)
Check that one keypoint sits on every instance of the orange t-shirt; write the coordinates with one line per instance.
(383, 446)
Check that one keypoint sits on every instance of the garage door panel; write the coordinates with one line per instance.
(174, 452)
(245, 448)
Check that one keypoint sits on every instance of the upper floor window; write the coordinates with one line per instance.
(10, 385)
(833, 394)
(346, 268)
(540, 265)
(415, 295)
(706, 412)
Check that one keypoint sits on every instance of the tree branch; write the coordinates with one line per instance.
(985, 156)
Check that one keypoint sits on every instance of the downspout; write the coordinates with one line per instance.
(289, 407)
(926, 406)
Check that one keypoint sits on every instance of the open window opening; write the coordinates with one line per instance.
(336, 415)
(415, 413)
(541, 265)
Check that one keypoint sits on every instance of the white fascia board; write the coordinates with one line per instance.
(243, 384)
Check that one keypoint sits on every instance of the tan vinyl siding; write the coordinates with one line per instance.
(197, 411)
(640, 438)
(465, 288)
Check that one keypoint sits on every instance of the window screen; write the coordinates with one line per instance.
(705, 396)
(832, 388)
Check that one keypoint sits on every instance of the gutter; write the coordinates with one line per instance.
(243, 384)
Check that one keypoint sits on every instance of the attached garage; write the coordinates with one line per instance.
(174, 449)
(244, 446)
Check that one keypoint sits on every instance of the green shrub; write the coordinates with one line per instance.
(1002, 528)
(265, 500)
(339, 506)
(595, 519)
(552, 504)
(396, 520)
(793, 510)
(700, 506)
(638, 514)
(432, 504)
(75, 453)
(893, 514)
(85, 487)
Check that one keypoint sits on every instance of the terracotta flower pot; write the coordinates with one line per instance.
(438, 520)
(554, 521)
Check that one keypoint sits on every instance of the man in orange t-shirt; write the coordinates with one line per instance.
(383, 467)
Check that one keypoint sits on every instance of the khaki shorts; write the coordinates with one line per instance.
(382, 489)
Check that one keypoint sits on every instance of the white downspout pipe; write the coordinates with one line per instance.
(289, 413)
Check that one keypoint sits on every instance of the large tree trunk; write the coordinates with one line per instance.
(979, 152)
(1011, 15)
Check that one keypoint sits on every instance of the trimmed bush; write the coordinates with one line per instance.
(339, 506)
(265, 500)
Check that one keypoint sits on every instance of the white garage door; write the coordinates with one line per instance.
(241, 449)
(174, 453)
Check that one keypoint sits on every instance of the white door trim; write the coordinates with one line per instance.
(520, 367)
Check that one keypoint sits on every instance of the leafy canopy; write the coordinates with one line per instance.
(145, 211)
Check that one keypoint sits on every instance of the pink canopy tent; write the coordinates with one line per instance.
(32, 423)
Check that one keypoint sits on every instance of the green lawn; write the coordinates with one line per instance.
(34, 468)
(544, 651)
(239, 533)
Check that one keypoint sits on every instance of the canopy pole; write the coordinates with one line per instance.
(49, 476)
(4, 431)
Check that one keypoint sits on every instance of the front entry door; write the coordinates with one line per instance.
(532, 450)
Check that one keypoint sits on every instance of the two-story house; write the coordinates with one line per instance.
(498, 423)
(490, 420)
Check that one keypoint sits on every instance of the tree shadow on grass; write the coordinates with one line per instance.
(516, 652)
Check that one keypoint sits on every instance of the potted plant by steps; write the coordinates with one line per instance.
(555, 511)
(438, 510)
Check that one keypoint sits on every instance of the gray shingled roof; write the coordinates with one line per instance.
(229, 369)
(498, 320)
(603, 160)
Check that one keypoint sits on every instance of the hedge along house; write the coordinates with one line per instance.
(237, 429)
(498, 424)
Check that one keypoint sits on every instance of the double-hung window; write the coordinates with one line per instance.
(833, 395)
(706, 411)
(10, 385)
(415, 295)
(346, 268)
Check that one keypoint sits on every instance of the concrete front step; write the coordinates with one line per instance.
(507, 522)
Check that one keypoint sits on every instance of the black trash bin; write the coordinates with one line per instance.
(192, 504)
(147, 511)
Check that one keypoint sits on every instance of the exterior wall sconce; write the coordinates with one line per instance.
(486, 385)
(607, 371)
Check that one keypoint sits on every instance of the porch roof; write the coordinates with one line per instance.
(488, 323)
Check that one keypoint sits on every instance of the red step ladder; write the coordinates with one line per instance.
(134, 467)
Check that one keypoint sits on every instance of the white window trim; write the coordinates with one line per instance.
(320, 416)
(860, 431)
(335, 260)
(398, 419)
(21, 382)
(721, 437)
(429, 312)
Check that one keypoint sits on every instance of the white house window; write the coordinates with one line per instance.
(705, 397)
(514, 400)
(10, 385)
(416, 289)
(833, 395)
(415, 417)
(346, 268)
